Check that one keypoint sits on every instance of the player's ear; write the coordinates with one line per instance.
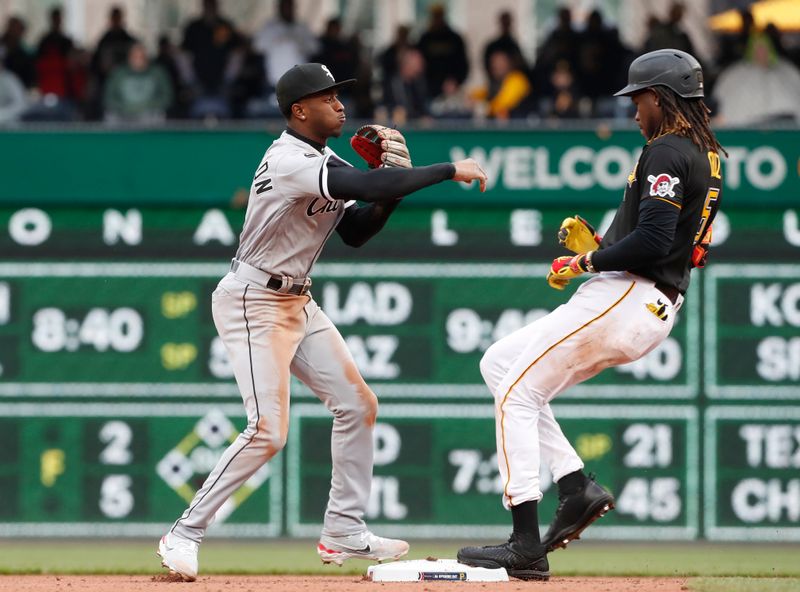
(298, 111)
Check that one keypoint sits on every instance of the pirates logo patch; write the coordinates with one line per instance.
(662, 185)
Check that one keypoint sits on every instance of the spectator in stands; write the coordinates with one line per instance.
(563, 98)
(138, 91)
(61, 74)
(52, 59)
(179, 71)
(733, 48)
(15, 55)
(284, 42)
(453, 103)
(111, 51)
(508, 94)
(341, 55)
(248, 90)
(210, 40)
(78, 64)
(389, 59)
(444, 53)
(762, 88)
(408, 91)
(774, 35)
(560, 44)
(504, 42)
(601, 56)
(363, 105)
(12, 96)
(670, 34)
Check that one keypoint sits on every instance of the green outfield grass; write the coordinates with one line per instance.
(712, 567)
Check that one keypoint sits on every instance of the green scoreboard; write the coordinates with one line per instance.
(436, 469)
(123, 469)
(117, 398)
(122, 329)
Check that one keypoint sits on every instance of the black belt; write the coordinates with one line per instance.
(295, 289)
(262, 278)
(669, 291)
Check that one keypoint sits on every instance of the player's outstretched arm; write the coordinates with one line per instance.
(386, 184)
(359, 224)
(468, 170)
(382, 146)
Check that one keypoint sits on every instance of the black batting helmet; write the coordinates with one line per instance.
(673, 68)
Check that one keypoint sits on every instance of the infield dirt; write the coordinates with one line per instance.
(164, 583)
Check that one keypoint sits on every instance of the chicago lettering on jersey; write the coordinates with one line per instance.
(325, 207)
(265, 184)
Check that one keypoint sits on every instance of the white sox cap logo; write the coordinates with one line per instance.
(328, 72)
(661, 185)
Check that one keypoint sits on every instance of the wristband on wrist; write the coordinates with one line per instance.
(589, 267)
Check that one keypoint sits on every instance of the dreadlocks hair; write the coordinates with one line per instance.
(688, 118)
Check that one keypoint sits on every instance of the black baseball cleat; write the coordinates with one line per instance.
(522, 559)
(576, 511)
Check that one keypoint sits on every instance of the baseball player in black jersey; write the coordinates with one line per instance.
(271, 326)
(641, 270)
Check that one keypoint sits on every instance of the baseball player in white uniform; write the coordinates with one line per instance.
(271, 326)
(643, 267)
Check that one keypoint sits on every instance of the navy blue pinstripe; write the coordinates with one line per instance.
(258, 413)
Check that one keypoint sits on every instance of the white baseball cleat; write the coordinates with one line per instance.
(362, 545)
(179, 556)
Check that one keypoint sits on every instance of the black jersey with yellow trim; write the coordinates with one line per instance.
(675, 171)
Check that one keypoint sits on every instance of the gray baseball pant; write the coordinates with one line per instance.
(268, 336)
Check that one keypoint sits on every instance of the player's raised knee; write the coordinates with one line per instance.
(489, 365)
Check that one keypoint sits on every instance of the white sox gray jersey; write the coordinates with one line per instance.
(270, 332)
(290, 213)
(272, 328)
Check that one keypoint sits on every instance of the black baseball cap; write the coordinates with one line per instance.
(304, 80)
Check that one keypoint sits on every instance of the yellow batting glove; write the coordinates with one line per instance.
(577, 235)
(555, 282)
(565, 268)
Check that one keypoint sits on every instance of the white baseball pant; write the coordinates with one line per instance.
(605, 323)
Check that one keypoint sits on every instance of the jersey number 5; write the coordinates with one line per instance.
(708, 210)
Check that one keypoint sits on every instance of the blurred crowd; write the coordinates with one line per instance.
(219, 72)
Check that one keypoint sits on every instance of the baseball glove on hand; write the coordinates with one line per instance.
(564, 269)
(577, 235)
(380, 145)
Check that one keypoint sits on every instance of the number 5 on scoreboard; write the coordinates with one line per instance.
(5, 303)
